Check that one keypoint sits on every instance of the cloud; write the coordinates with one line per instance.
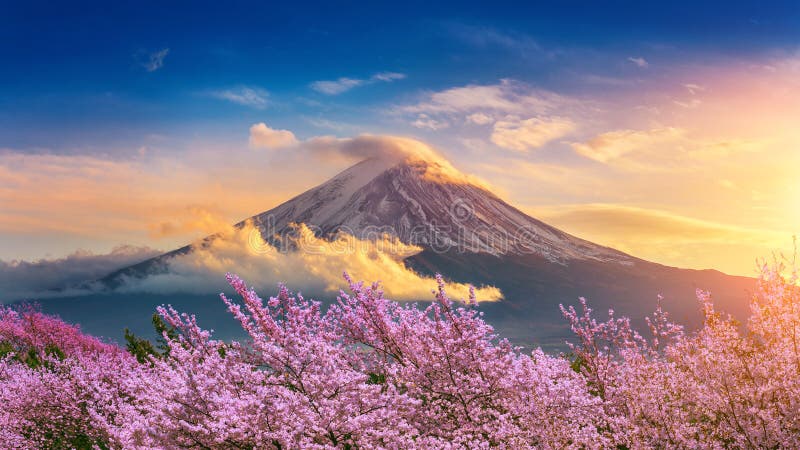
(487, 37)
(388, 76)
(639, 62)
(196, 218)
(337, 86)
(97, 196)
(424, 121)
(523, 135)
(694, 88)
(666, 237)
(612, 145)
(316, 266)
(155, 60)
(262, 136)
(691, 104)
(246, 96)
(508, 97)
(389, 148)
(44, 277)
(522, 117)
(344, 84)
(480, 118)
(54, 203)
(634, 224)
(330, 124)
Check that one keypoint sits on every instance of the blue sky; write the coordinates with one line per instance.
(664, 129)
(75, 74)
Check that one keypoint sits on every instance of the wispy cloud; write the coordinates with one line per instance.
(612, 145)
(423, 121)
(484, 37)
(344, 84)
(635, 224)
(508, 97)
(154, 60)
(320, 122)
(694, 88)
(639, 62)
(664, 236)
(336, 87)
(247, 96)
(480, 118)
(196, 219)
(522, 117)
(522, 135)
(101, 200)
(688, 104)
(388, 76)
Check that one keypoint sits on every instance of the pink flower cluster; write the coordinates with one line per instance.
(372, 373)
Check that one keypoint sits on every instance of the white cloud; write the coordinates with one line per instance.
(388, 76)
(508, 97)
(344, 84)
(316, 266)
(523, 135)
(337, 86)
(694, 88)
(330, 124)
(247, 96)
(639, 62)
(487, 37)
(262, 136)
(155, 60)
(389, 149)
(615, 144)
(480, 118)
(425, 122)
(690, 104)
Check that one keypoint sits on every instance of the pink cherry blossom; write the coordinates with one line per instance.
(368, 372)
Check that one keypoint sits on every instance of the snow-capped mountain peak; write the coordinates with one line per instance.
(430, 204)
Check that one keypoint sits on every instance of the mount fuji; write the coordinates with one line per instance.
(468, 234)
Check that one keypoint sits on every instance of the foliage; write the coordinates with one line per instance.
(372, 373)
(143, 349)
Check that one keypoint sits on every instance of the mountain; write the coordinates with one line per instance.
(469, 234)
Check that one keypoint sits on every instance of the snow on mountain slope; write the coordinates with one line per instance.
(423, 203)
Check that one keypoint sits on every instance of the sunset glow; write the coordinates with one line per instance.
(536, 225)
(673, 151)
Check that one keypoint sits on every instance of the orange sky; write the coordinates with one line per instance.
(699, 170)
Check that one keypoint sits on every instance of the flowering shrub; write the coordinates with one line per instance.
(372, 373)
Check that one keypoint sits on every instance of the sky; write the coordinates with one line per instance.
(667, 130)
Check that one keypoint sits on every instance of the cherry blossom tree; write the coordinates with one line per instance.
(367, 372)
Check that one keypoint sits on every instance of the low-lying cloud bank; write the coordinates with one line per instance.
(62, 276)
(315, 266)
